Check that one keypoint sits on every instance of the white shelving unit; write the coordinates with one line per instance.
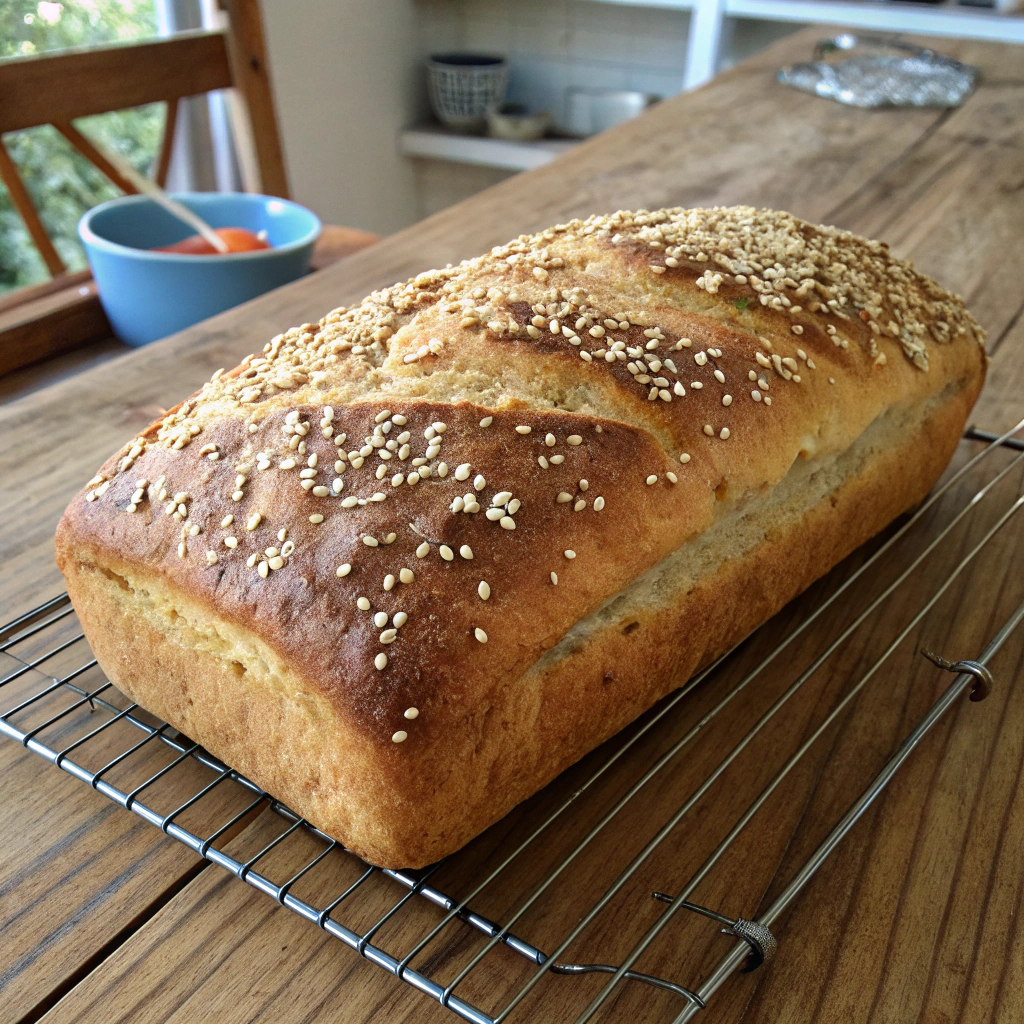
(710, 21)
(434, 142)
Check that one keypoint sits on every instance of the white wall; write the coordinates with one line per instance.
(346, 77)
(349, 76)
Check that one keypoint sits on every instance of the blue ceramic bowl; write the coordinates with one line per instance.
(148, 295)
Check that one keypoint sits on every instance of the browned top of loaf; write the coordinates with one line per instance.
(610, 385)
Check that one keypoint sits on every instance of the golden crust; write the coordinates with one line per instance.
(275, 666)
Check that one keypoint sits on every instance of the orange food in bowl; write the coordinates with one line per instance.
(237, 239)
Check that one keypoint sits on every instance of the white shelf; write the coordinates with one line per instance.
(435, 143)
(894, 16)
(707, 17)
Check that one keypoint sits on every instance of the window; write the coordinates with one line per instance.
(62, 183)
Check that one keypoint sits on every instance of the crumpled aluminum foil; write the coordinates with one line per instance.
(879, 77)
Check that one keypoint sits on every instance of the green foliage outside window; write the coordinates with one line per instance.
(61, 182)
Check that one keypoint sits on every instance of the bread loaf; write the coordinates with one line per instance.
(409, 563)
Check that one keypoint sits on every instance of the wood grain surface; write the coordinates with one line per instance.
(918, 916)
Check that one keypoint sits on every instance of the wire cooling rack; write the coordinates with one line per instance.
(562, 904)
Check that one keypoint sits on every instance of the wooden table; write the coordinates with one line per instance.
(919, 916)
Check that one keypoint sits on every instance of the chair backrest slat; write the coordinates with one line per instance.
(23, 204)
(94, 156)
(163, 160)
(67, 84)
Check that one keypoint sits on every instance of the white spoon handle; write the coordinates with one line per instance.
(151, 188)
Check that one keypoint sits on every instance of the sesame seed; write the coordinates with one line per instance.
(263, 569)
(321, 492)
(584, 485)
(573, 439)
(388, 636)
(549, 440)
(276, 562)
(652, 479)
(423, 550)
(363, 604)
(406, 575)
(494, 514)
(462, 472)
(466, 551)
(486, 421)
(726, 399)
(399, 737)
(231, 542)
(212, 558)
(389, 581)
(507, 523)
(370, 542)
(554, 578)
(227, 521)
(380, 663)
(563, 496)
(501, 498)
(350, 502)
(598, 504)
(557, 460)
(391, 538)
(412, 713)
(709, 430)
(446, 552)
(316, 518)
(484, 590)
(580, 505)
(569, 553)
(344, 570)
(254, 520)
(755, 395)
(480, 635)
(719, 376)
(380, 619)
(400, 619)
(442, 469)
(523, 429)
(724, 434)
(287, 464)
(479, 483)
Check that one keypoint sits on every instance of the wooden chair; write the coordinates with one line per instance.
(45, 320)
